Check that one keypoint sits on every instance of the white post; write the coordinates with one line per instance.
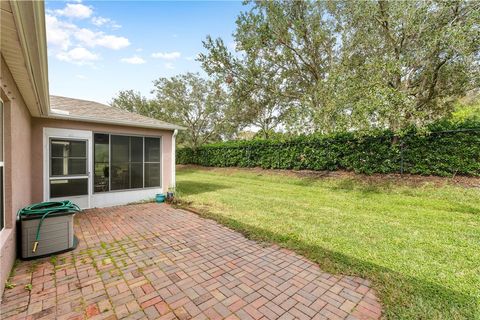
(173, 182)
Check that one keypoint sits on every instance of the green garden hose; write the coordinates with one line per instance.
(44, 209)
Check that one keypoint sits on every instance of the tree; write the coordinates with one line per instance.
(404, 63)
(133, 101)
(467, 108)
(351, 65)
(201, 105)
(285, 53)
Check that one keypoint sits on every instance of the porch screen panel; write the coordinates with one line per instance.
(119, 170)
(101, 169)
(68, 157)
(126, 162)
(68, 187)
(68, 168)
(136, 162)
(152, 162)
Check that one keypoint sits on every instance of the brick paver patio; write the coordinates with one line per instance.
(153, 261)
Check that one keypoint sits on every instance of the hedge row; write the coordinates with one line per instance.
(445, 151)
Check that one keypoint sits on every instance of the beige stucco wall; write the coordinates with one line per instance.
(17, 161)
(37, 147)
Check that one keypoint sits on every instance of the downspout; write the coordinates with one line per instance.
(173, 180)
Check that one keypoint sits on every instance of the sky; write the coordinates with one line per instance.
(97, 48)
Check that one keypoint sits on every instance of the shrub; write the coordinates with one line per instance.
(444, 150)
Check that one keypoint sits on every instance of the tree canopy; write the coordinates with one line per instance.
(346, 65)
(202, 106)
(325, 66)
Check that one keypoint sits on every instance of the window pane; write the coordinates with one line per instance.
(58, 148)
(136, 175)
(78, 149)
(101, 167)
(136, 149)
(68, 187)
(152, 149)
(152, 175)
(65, 166)
(101, 147)
(64, 148)
(120, 149)
(100, 177)
(120, 176)
(57, 167)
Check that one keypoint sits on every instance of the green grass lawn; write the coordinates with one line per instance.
(420, 245)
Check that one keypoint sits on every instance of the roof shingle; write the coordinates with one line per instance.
(90, 111)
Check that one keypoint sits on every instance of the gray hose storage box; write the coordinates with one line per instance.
(55, 234)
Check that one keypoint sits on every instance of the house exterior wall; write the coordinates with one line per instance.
(38, 125)
(17, 161)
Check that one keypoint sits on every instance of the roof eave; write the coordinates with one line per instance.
(29, 17)
(113, 122)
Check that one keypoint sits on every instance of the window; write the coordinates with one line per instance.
(2, 209)
(126, 162)
(68, 168)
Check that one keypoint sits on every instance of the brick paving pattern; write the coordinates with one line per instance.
(151, 261)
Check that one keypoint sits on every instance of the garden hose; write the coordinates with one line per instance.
(44, 209)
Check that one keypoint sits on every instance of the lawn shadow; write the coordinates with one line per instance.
(366, 187)
(402, 296)
(463, 208)
(305, 182)
(189, 187)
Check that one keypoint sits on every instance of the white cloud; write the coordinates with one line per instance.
(169, 66)
(112, 42)
(58, 32)
(102, 21)
(81, 77)
(133, 60)
(78, 55)
(92, 39)
(167, 55)
(75, 10)
(63, 34)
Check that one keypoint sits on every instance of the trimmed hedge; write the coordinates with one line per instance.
(446, 150)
